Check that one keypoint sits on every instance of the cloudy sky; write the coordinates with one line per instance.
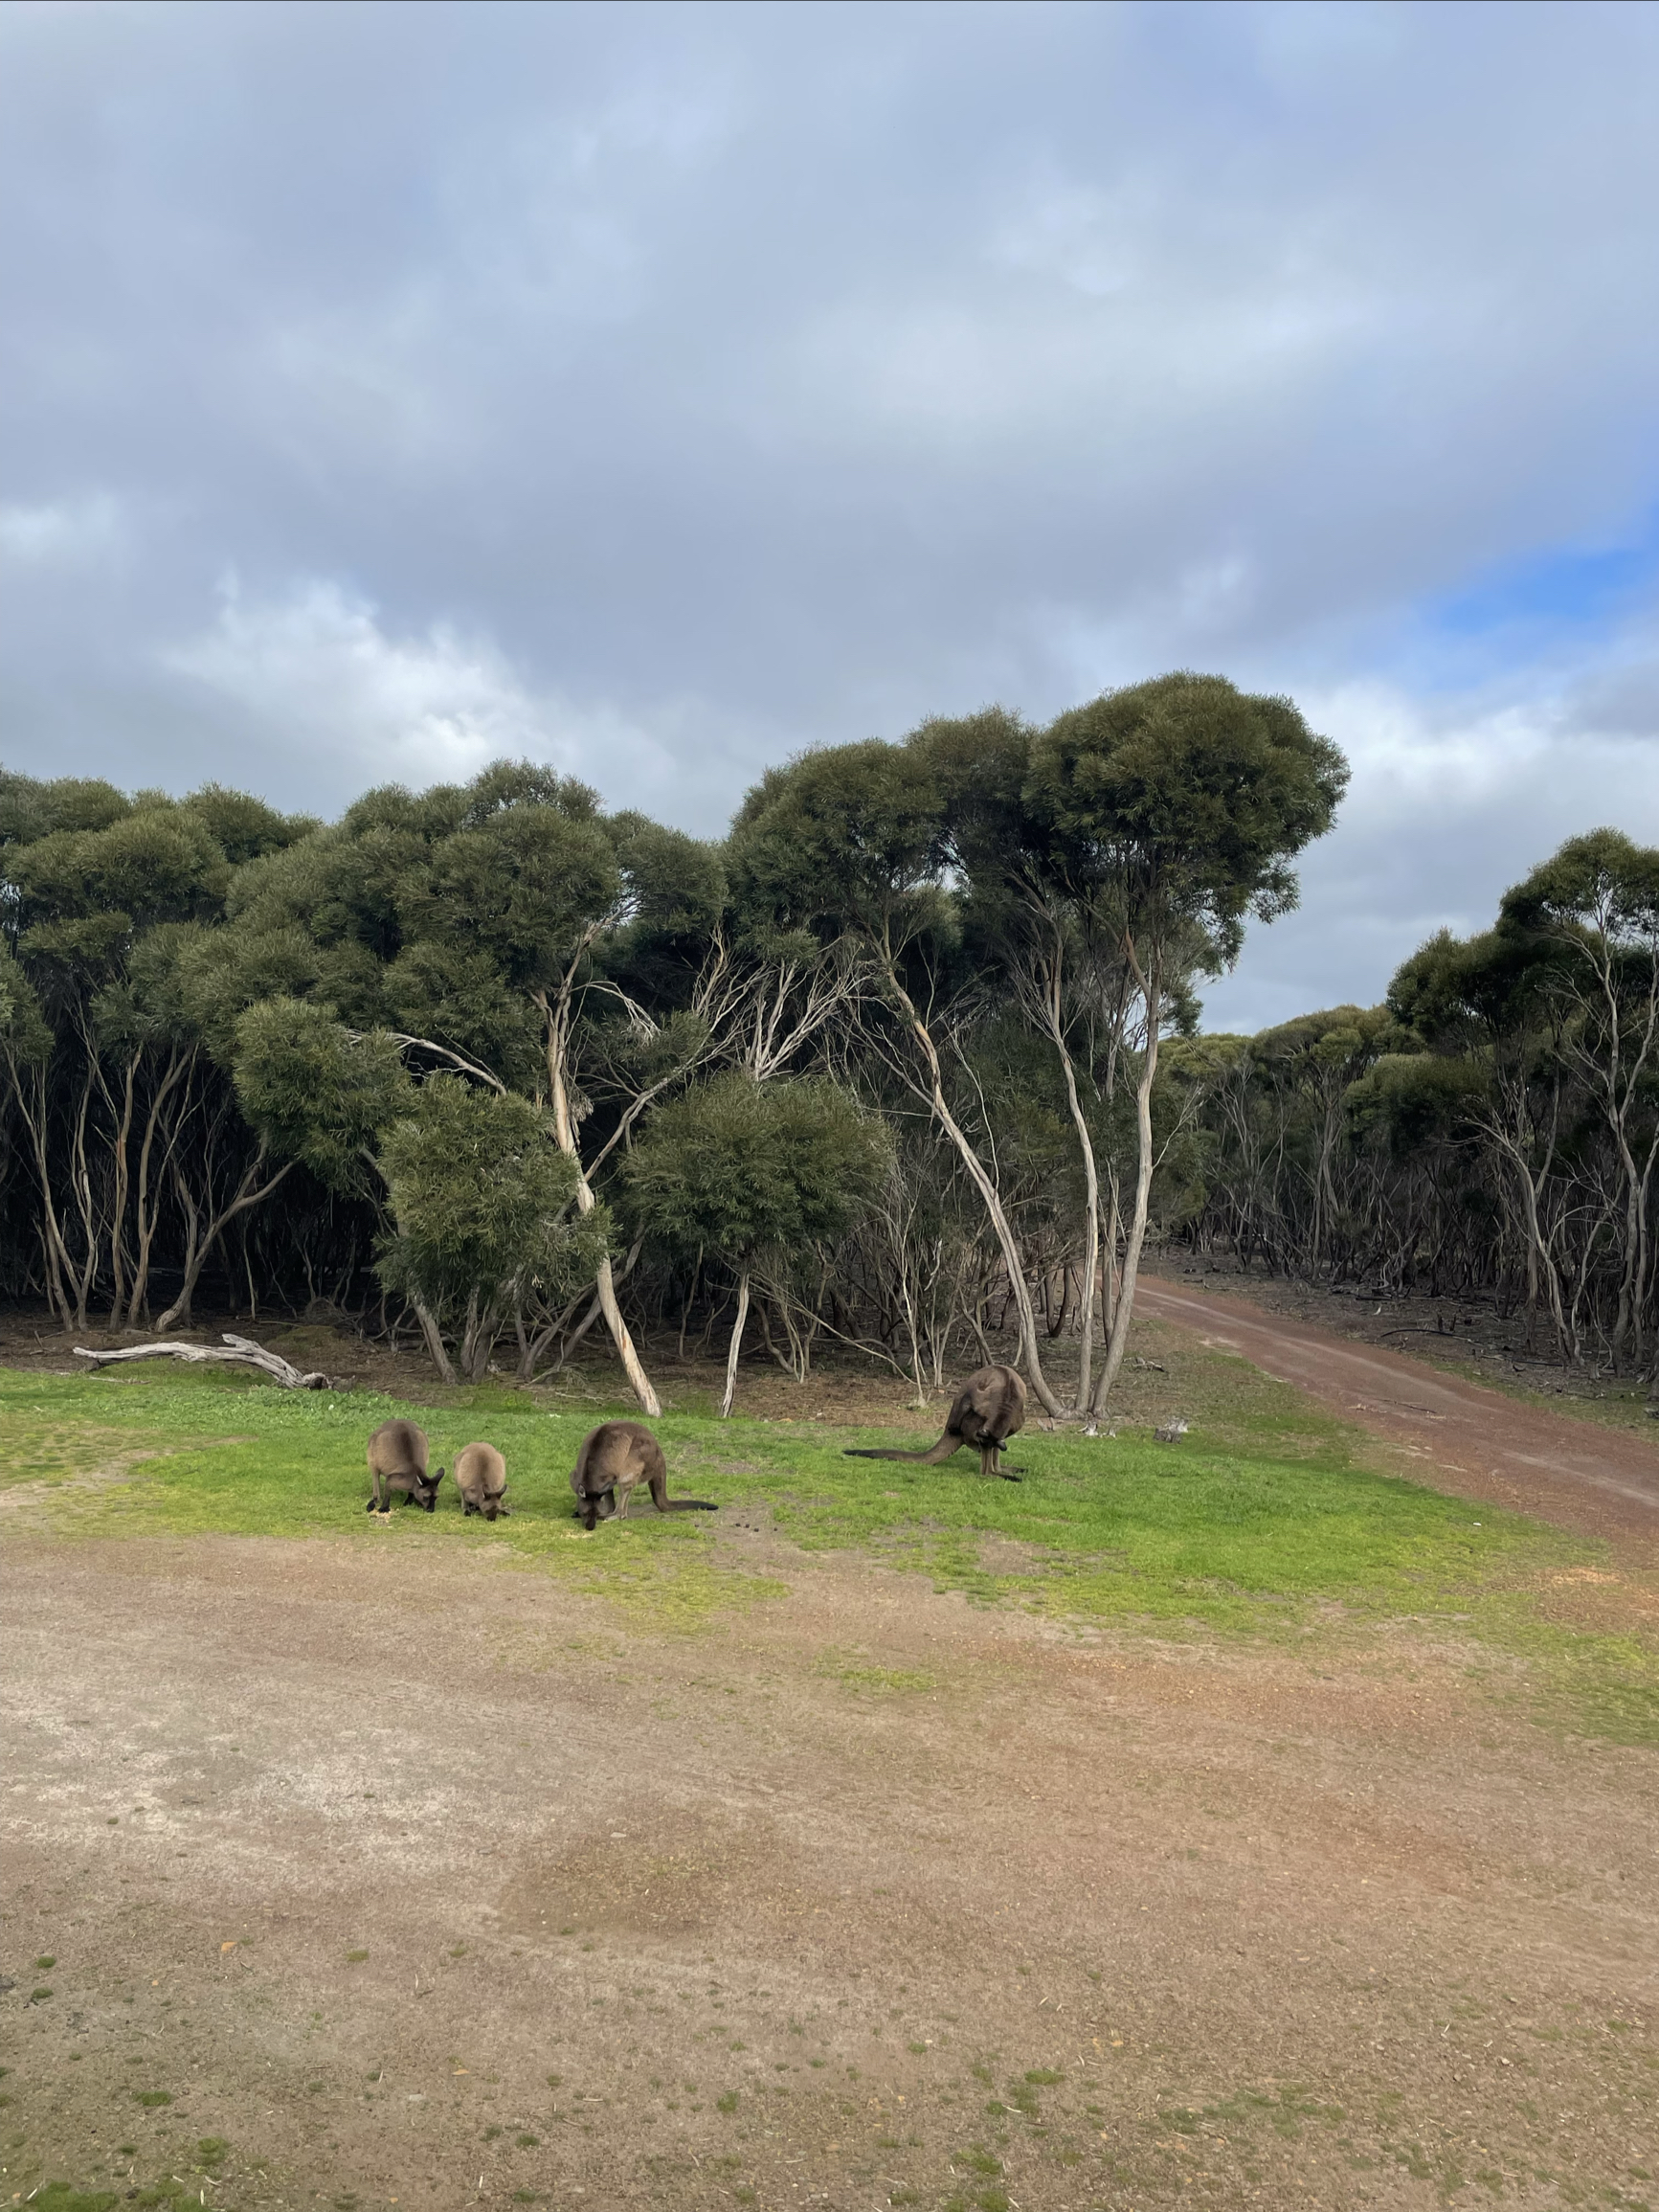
(657, 391)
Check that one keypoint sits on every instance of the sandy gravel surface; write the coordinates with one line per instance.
(418, 1880)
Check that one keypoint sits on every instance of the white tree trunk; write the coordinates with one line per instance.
(990, 1196)
(1123, 1312)
(557, 1016)
(735, 1346)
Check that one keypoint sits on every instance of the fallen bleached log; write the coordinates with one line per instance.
(243, 1353)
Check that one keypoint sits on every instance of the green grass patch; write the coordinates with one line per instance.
(1265, 1520)
(1588, 1682)
(169, 1451)
(854, 1672)
(37, 1445)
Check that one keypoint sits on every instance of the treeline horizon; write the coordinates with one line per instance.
(909, 1061)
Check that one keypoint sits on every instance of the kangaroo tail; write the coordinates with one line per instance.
(692, 1505)
(942, 1449)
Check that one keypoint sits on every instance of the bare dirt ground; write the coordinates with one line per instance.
(846, 1391)
(353, 1876)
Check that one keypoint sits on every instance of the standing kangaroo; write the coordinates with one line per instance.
(988, 1410)
(616, 1457)
(398, 1455)
(480, 1476)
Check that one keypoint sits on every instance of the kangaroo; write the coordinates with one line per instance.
(398, 1462)
(613, 1459)
(988, 1410)
(480, 1476)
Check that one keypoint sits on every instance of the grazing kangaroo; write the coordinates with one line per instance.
(480, 1476)
(988, 1410)
(397, 1458)
(615, 1457)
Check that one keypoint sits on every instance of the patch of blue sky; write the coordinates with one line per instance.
(1534, 608)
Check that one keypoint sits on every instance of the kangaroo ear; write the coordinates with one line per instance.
(436, 1479)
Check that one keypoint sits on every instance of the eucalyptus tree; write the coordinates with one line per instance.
(480, 1192)
(25, 1048)
(1306, 1068)
(1492, 998)
(1493, 1129)
(1412, 1126)
(526, 881)
(1040, 936)
(16, 995)
(737, 1169)
(1596, 904)
(1174, 808)
(234, 1039)
(1103, 862)
(853, 839)
(77, 901)
(1095, 866)
(88, 881)
(1560, 1006)
(323, 1094)
(916, 1265)
(471, 1187)
(33, 808)
(471, 925)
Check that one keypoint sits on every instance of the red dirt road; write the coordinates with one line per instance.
(1472, 1441)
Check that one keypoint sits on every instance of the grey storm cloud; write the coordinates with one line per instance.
(660, 389)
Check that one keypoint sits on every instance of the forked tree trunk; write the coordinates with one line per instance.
(147, 1207)
(484, 1325)
(432, 1336)
(557, 1017)
(250, 1192)
(990, 1196)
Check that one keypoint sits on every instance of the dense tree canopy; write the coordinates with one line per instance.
(478, 1194)
(736, 1169)
(909, 1060)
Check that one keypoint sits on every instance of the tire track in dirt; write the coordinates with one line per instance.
(1472, 1441)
